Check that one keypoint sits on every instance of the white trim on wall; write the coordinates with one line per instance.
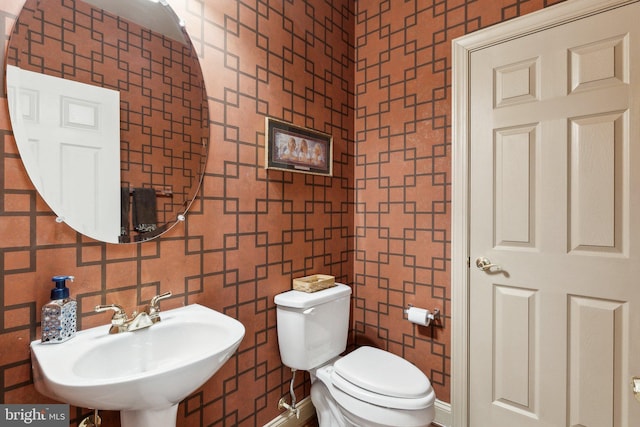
(307, 411)
(443, 413)
(462, 48)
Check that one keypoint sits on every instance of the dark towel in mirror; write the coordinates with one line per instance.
(144, 209)
(125, 201)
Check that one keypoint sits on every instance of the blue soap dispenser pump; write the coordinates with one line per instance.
(59, 314)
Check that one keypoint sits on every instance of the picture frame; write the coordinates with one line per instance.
(297, 149)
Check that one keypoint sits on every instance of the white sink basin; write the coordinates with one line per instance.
(145, 373)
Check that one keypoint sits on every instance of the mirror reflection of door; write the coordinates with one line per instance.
(70, 146)
(140, 49)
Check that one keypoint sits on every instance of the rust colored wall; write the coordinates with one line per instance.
(403, 169)
(161, 95)
(378, 78)
(247, 236)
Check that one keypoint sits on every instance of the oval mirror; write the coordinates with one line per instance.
(109, 112)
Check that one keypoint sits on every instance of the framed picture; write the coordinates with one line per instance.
(297, 149)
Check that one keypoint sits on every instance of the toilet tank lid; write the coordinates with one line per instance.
(299, 299)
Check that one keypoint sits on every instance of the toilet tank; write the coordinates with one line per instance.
(312, 326)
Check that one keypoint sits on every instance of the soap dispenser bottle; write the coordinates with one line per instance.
(59, 314)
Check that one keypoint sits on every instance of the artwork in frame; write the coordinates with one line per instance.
(297, 149)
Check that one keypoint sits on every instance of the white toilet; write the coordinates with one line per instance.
(367, 387)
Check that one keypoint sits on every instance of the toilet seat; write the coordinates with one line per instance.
(382, 378)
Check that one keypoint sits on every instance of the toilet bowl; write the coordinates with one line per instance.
(368, 387)
(372, 387)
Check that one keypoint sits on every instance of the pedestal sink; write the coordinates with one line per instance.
(143, 374)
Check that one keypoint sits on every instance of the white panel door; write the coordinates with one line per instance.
(68, 134)
(554, 335)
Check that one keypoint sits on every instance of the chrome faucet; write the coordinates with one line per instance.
(120, 322)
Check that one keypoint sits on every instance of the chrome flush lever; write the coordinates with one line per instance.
(485, 265)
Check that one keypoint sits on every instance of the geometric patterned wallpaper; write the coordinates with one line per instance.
(248, 234)
(376, 76)
(163, 107)
(402, 170)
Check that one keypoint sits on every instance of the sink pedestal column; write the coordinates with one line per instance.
(163, 417)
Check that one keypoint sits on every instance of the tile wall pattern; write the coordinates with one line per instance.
(377, 76)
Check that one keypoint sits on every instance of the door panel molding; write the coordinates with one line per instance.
(461, 53)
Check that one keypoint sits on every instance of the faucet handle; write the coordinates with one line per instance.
(120, 313)
(158, 298)
(154, 308)
(119, 316)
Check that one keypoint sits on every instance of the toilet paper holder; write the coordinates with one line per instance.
(430, 315)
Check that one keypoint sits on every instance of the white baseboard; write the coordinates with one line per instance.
(307, 411)
(443, 413)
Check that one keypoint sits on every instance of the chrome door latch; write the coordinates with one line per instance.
(635, 384)
(485, 265)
